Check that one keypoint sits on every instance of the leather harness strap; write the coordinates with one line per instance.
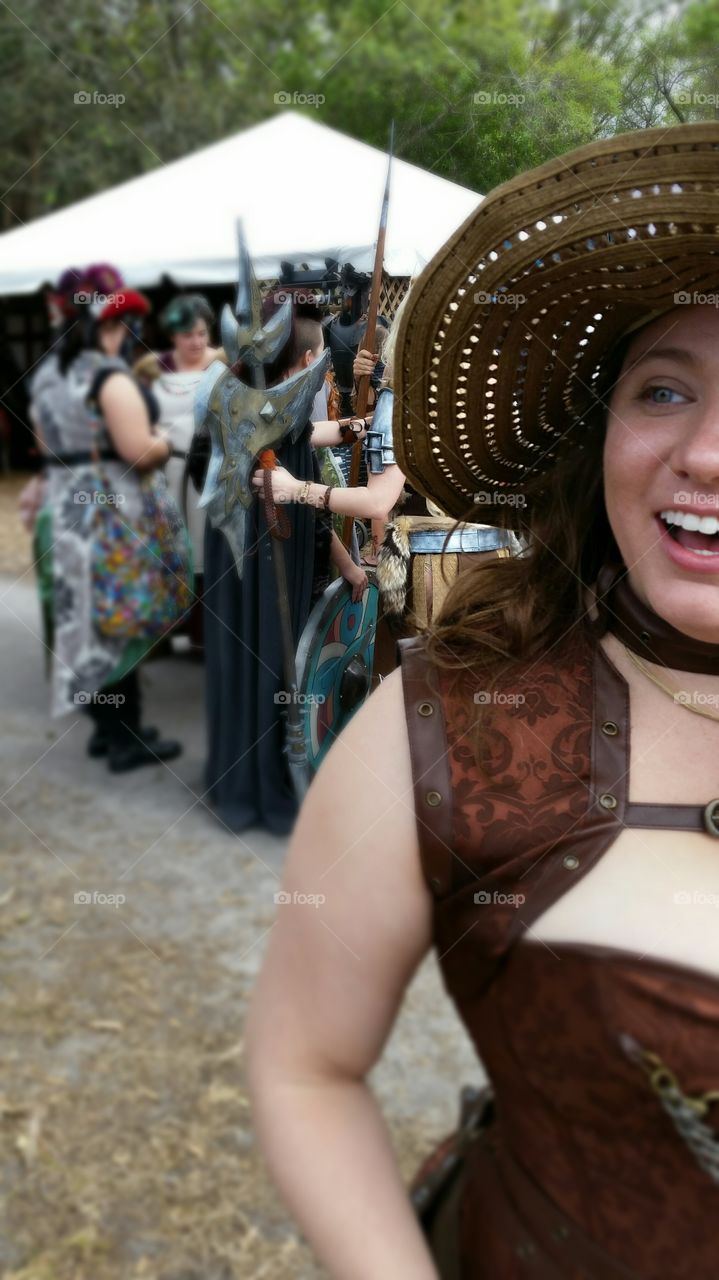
(430, 764)
(608, 806)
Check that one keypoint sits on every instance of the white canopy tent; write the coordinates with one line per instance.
(283, 177)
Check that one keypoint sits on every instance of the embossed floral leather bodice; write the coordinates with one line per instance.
(598, 1167)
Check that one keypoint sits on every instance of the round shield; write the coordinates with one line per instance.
(334, 664)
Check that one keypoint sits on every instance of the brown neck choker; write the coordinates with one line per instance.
(644, 632)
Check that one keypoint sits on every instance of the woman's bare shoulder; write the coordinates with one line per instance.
(378, 732)
(368, 768)
(119, 388)
(357, 827)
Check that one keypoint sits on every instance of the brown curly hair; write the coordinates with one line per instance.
(513, 609)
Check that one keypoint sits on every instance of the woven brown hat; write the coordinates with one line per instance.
(501, 345)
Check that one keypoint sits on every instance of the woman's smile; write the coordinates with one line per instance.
(661, 467)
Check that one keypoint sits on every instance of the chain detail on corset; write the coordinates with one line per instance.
(685, 1111)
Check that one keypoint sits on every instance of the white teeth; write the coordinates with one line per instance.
(689, 520)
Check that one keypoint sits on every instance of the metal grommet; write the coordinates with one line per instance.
(433, 798)
(645, 637)
(610, 728)
(525, 1249)
(570, 861)
(608, 801)
(711, 818)
(425, 709)
(436, 883)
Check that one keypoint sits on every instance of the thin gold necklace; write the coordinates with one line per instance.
(680, 696)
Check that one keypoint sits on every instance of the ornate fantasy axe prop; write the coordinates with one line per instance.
(246, 424)
(369, 339)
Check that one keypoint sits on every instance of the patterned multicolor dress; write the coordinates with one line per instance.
(82, 660)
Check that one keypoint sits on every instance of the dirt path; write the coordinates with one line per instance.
(126, 1149)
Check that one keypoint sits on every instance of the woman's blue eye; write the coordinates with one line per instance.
(661, 395)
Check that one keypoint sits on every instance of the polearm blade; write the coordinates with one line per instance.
(370, 335)
(244, 336)
(247, 422)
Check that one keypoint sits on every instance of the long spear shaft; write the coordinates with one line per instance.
(370, 334)
(295, 738)
(296, 750)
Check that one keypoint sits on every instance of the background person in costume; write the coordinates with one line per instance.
(344, 332)
(385, 480)
(247, 773)
(413, 583)
(174, 377)
(558, 731)
(84, 398)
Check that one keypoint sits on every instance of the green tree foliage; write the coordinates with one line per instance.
(479, 89)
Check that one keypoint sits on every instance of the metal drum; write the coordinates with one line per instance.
(418, 563)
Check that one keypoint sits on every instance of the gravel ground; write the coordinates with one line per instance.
(126, 1147)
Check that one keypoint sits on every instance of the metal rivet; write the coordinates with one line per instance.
(711, 818)
(570, 862)
(425, 709)
(525, 1249)
(610, 728)
(435, 882)
(608, 801)
(645, 637)
(433, 798)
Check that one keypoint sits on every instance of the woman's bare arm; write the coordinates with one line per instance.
(34, 418)
(330, 988)
(373, 501)
(326, 434)
(351, 572)
(126, 417)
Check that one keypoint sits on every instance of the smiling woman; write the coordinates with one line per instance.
(561, 850)
(660, 467)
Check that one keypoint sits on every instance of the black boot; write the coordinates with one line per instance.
(99, 741)
(124, 755)
(121, 738)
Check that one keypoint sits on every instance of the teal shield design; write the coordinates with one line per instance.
(334, 664)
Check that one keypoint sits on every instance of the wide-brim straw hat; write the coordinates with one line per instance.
(501, 345)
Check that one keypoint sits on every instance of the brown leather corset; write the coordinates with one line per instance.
(587, 1172)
